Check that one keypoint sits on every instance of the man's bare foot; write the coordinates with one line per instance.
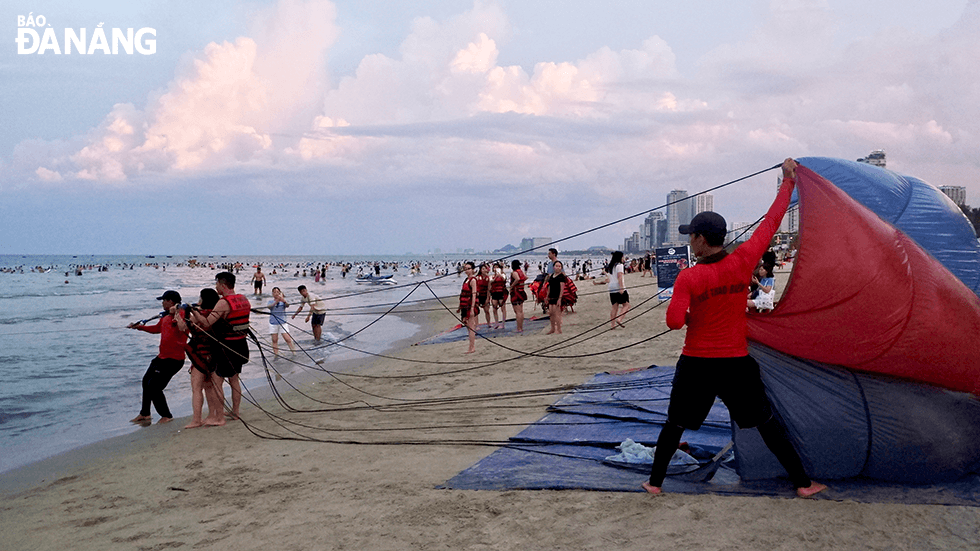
(232, 415)
(550, 332)
(469, 351)
(194, 424)
(214, 422)
(811, 490)
(652, 489)
(141, 419)
(165, 420)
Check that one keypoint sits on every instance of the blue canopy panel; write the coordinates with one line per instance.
(849, 424)
(917, 208)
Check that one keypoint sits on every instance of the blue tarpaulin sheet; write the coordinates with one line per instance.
(566, 450)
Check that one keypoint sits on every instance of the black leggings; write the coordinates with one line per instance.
(772, 433)
(156, 379)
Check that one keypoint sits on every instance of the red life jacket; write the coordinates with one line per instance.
(466, 297)
(198, 348)
(235, 322)
(570, 296)
(482, 283)
(499, 284)
(517, 293)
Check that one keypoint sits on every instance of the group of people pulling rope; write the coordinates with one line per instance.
(714, 362)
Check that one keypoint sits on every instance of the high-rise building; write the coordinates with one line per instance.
(529, 243)
(678, 213)
(956, 193)
(648, 231)
(703, 203)
(791, 221)
(736, 229)
(631, 245)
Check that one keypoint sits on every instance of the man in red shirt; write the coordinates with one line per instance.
(710, 299)
(168, 362)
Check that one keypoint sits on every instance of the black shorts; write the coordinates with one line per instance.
(228, 357)
(258, 284)
(499, 296)
(317, 319)
(623, 297)
(697, 381)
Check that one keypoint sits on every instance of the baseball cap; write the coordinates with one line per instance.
(705, 222)
(172, 296)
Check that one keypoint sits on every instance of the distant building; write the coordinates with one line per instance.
(876, 157)
(956, 193)
(735, 230)
(661, 232)
(791, 221)
(632, 243)
(649, 238)
(703, 203)
(678, 213)
(529, 243)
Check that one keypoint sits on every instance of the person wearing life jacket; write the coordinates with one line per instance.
(517, 293)
(498, 295)
(468, 311)
(228, 323)
(483, 290)
(198, 349)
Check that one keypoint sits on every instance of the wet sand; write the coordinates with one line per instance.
(224, 488)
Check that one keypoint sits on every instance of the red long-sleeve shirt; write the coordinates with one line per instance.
(710, 297)
(172, 339)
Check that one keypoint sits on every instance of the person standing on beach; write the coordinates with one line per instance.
(277, 321)
(710, 299)
(198, 350)
(228, 323)
(556, 290)
(167, 363)
(498, 295)
(257, 280)
(468, 310)
(318, 312)
(483, 291)
(517, 293)
(618, 295)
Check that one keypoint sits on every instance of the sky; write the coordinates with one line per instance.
(390, 127)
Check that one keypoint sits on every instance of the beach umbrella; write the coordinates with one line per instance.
(871, 358)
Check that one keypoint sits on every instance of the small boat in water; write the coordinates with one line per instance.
(377, 279)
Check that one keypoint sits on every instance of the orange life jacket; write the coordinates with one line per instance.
(233, 326)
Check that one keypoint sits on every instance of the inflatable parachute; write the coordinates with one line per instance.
(872, 355)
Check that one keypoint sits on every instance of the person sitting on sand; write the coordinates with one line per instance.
(167, 363)
(710, 299)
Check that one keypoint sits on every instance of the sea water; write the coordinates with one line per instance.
(71, 371)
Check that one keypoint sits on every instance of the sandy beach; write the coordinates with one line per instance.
(224, 488)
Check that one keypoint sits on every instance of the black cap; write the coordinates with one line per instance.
(706, 222)
(172, 296)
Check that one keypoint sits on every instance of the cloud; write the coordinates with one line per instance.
(443, 112)
(224, 106)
